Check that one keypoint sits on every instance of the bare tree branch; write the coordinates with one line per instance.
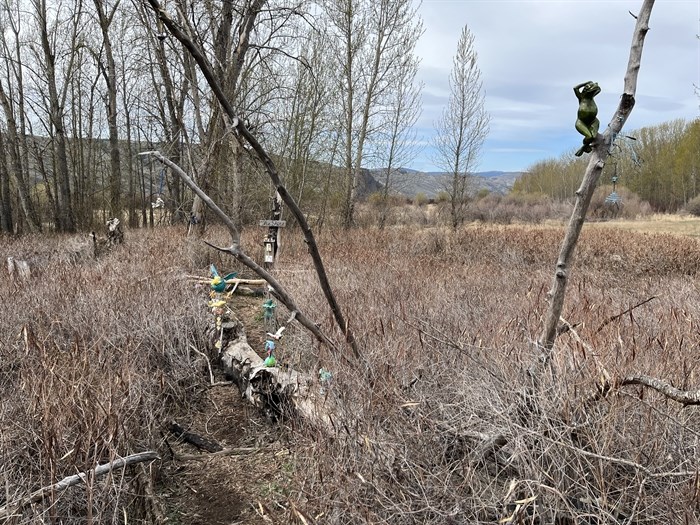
(681, 396)
(13, 508)
(601, 150)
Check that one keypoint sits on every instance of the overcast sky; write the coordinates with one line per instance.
(532, 52)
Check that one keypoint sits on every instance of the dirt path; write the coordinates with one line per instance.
(245, 488)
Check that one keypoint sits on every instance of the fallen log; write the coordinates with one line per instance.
(277, 391)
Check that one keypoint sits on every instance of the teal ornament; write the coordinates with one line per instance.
(324, 375)
(218, 283)
(269, 309)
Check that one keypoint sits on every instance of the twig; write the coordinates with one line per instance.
(610, 459)
(13, 508)
(681, 396)
(220, 453)
(211, 373)
(615, 317)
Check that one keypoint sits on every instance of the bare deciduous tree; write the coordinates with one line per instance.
(463, 127)
(371, 37)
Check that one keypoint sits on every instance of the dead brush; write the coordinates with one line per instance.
(94, 356)
(443, 426)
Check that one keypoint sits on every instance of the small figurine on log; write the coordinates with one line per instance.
(587, 123)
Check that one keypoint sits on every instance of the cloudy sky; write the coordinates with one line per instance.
(532, 52)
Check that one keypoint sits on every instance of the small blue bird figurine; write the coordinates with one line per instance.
(270, 360)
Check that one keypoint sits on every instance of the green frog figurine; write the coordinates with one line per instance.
(587, 123)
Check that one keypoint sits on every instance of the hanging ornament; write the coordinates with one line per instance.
(270, 360)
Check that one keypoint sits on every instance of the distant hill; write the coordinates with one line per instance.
(410, 182)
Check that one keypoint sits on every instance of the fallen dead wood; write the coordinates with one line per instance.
(224, 452)
(194, 439)
(11, 509)
(681, 396)
(235, 280)
(18, 269)
(275, 390)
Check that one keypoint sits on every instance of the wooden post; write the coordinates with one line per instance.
(272, 240)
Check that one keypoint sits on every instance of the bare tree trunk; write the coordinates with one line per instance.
(13, 150)
(65, 204)
(6, 223)
(110, 76)
(601, 150)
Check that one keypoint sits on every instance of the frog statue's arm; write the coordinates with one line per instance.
(587, 123)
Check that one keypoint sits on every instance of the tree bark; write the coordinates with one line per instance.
(110, 76)
(601, 151)
(13, 508)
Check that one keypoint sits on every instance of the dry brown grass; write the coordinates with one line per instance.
(447, 322)
(94, 354)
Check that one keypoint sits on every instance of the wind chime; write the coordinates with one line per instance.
(614, 200)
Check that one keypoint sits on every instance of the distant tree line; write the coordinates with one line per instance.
(660, 164)
(87, 85)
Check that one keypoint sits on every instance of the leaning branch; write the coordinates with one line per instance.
(236, 251)
(11, 509)
(601, 150)
(270, 167)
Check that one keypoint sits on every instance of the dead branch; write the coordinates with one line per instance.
(601, 150)
(11, 509)
(630, 309)
(224, 452)
(236, 251)
(671, 392)
(270, 167)
(193, 439)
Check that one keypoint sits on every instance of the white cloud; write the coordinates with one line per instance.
(532, 53)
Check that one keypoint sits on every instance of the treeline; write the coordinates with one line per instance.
(660, 164)
(87, 85)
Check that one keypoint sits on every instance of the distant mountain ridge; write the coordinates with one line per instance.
(410, 182)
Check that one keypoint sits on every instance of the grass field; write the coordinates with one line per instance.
(676, 224)
(439, 424)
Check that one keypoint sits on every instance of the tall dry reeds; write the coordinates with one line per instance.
(94, 354)
(441, 427)
(440, 424)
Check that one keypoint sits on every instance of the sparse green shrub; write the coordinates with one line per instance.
(442, 197)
